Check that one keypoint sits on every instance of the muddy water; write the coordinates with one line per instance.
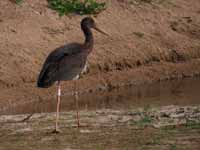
(177, 92)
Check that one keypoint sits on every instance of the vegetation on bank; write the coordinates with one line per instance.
(18, 1)
(82, 7)
(64, 7)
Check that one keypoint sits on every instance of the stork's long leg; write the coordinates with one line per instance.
(76, 103)
(58, 107)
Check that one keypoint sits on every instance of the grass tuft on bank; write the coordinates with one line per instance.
(81, 7)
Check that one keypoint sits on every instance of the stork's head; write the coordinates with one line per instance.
(89, 22)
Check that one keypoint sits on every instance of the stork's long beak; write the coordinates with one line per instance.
(101, 31)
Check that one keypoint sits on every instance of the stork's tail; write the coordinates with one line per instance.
(44, 81)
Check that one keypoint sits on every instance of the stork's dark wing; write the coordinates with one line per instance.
(64, 63)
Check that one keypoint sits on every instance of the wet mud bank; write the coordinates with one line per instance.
(168, 127)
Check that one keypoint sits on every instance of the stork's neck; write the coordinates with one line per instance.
(89, 40)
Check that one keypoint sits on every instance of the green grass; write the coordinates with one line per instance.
(139, 34)
(151, 2)
(64, 7)
(146, 1)
(192, 125)
(140, 1)
(145, 120)
(18, 1)
(173, 147)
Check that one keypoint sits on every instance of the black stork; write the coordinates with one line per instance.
(67, 63)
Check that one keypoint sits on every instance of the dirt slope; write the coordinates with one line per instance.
(149, 42)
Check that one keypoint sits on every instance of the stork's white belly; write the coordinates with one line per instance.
(76, 78)
(85, 69)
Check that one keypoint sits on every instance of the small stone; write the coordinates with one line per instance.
(85, 131)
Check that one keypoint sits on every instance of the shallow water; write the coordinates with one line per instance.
(177, 92)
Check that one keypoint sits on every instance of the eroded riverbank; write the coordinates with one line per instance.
(150, 41)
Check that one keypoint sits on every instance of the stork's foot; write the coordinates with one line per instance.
(56, 131)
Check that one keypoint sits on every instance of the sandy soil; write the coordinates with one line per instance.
(149, 42)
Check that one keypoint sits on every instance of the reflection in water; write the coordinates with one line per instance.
(179, 92)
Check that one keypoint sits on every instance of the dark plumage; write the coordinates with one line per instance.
(68, 61)
(64, 63)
